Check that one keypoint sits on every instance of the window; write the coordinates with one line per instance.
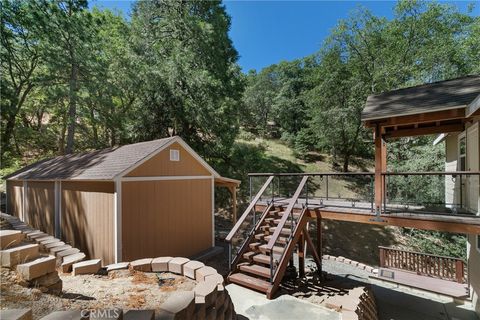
(174, 155)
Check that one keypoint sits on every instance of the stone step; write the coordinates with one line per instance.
(67, 252)
(68, 261)
(52, 245)
(60, 248)
(36, 235)
(87, 267)
(20, 254)
(10, 238)
(36, 268)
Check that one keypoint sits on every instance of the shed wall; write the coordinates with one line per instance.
(15, 198)
(40, 206)
(87, 219)
(166, 217)
(160, 165)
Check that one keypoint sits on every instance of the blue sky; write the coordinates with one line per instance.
(267, 32)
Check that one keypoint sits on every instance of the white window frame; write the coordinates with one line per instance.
(174, 155)
(461, 136)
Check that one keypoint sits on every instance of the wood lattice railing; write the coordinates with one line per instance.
(447, 268)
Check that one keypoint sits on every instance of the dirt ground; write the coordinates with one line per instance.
(123, 289)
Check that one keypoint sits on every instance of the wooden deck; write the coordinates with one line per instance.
(361, 212)
(435, 285)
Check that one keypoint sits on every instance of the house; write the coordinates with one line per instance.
(281, 213)
(147, 199)
(451, 108)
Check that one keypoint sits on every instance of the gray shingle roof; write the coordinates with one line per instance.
(96, 165)
(443, 95)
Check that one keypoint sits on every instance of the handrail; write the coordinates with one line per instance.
(431, 173)
(389, 173)
(286, 213)
(277, 274)
(311, 174)
(248, 210)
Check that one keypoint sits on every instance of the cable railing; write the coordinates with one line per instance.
(447, 193)
(244, 229)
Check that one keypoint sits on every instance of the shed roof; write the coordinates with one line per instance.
(104, 164)
(436, 96)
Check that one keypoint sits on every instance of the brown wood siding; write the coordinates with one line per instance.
(167, 217)
(160, 165)
(15, 198)
(87, 219)
(40, 206)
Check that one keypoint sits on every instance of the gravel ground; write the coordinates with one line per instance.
(120, 289)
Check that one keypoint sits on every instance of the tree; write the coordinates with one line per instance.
(68, 33)
(20, 60)
(190, 78)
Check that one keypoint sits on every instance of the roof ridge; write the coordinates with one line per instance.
(424, 85)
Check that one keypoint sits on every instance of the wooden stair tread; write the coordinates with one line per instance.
(261, 258)
(282, 240)
(256, 270)
(275, 249)
(287, 223)
(259, 236)
(286, 231)
(250, 282)
(248, 255)
(254, 245)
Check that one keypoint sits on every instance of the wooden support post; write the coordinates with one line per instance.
(459, 271)
(319, 241)
(382, 257)
(234, 204)
(316, 257)
(380, 166)
(301, 256)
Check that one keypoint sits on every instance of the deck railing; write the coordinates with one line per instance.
(431, 192)
(410, 192)
(447, 268)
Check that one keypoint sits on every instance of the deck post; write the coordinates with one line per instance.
(301, 256)
(319, 242)
(233, 191)
(380, 167)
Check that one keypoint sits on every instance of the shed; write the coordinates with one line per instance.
(147, 199)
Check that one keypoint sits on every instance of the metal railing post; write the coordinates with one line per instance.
(230, 256)
(326, 181)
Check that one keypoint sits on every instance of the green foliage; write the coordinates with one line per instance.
(320, 97)
(190, 78)
(438, 243)
(79, 79)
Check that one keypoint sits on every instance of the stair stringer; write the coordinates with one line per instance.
(282, 266)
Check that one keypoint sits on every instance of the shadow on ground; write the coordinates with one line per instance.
(356, 241)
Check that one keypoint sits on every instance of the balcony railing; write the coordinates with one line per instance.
(450, 193)
(447, 268)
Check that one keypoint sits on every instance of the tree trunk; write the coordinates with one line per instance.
(72, 108)
(346, 161)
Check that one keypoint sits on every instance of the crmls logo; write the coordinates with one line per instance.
(101, 313)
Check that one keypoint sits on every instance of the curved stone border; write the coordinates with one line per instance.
(354, 263)
(208, 300)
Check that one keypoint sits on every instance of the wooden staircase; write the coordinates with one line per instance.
(261, 260)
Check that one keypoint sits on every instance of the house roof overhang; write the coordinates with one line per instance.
(440, 107)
